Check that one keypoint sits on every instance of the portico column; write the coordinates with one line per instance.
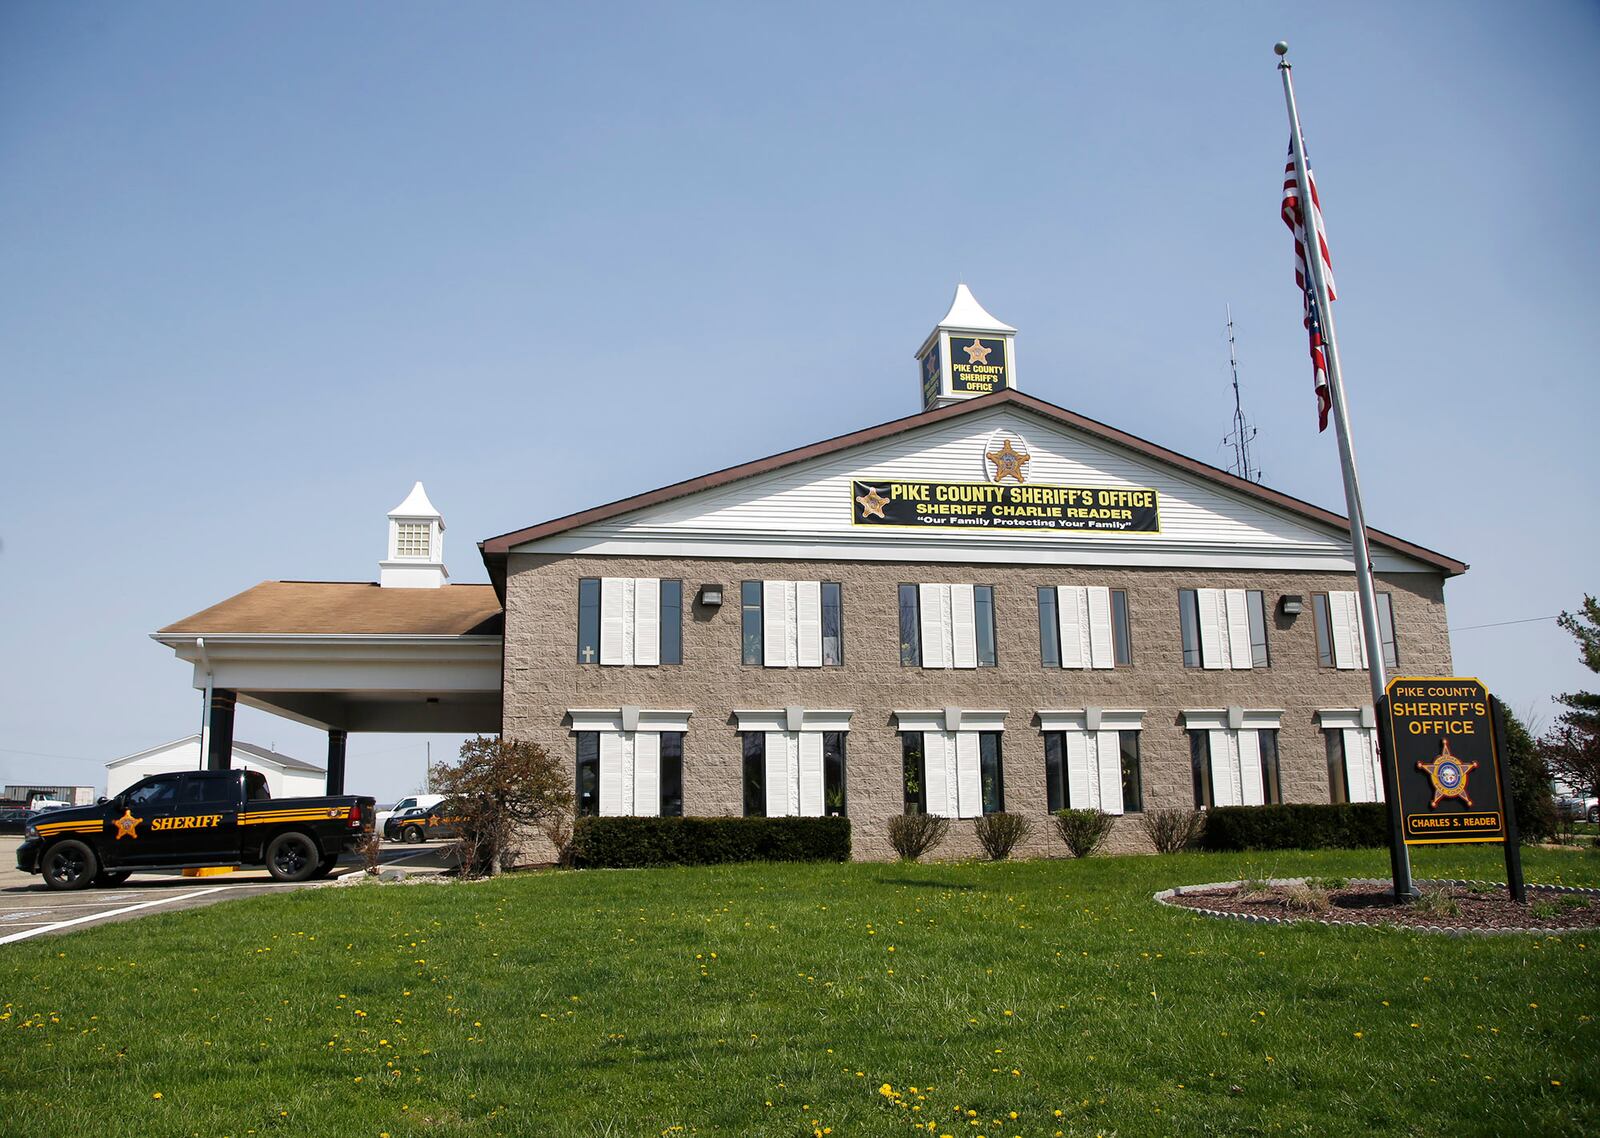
(219, 733)
(336, 741)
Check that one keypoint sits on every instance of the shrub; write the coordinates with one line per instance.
(1083, 830)
(1436, 902)
(1300, 825)
(498, 787)
(999, 834)
(913, 835)
(1172, 830)
(627, 843)
(1330, 884)
(1305, 898)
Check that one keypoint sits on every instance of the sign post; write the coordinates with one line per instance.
(1444, 770)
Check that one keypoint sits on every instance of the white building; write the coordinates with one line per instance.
(287, 777)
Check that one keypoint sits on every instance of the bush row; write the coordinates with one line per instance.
(1300, 825)
(630, 843)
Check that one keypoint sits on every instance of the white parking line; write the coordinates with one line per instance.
(26, 933)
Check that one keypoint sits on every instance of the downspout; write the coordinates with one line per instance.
(205, 708)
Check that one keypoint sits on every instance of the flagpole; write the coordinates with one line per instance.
(1399, 856)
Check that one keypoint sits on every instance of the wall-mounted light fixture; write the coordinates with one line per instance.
(1291, 604)
(711, 596)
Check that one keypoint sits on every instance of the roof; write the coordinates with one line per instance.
(416, 505)
(348, 608)
(496, 549)
(286, 762)
(967, 315)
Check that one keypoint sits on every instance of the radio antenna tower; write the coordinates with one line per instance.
(1243, 433)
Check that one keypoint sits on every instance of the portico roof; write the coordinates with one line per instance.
(359, 608)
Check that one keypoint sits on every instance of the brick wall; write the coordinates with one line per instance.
(543, 679)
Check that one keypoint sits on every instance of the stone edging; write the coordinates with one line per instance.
(1166, 895)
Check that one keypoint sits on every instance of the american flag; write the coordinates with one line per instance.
(1294, 218)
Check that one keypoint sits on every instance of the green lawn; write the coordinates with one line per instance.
(780, 1000)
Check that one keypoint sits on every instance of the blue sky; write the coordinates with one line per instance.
(265, 265)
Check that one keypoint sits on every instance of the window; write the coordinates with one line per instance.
(217, 788)
(833, 773)
(1049, 633)
(1223, 628)
(1340, 640)
(637, 773)
(910, 628)
(832, 625)
(947, 626)
(916, 798)
(755, 774)
(154, 791)
(630, 620)
(672, 774)
(1083, 626)
(750, 606)
(792, 624)
(411, 539)
(1354, 771)
(588, 785)
(1093, 770)
(1235, 768)
(992, 772)
(791, 773)
(255, 787)
(955, 774)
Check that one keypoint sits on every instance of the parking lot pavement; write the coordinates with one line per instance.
(28, 909)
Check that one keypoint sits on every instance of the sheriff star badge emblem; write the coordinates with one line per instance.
(1448, 775)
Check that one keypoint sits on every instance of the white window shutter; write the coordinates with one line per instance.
(811, 774)
(969, 777)
(1344, 619)
(1357, 770)
(1358, 631)
(779, 762)
(1079, 796)
(611, 620)
(808, 623)
(1369, 747)
(1224, 768)
(774, 630)
(936, 787)
(611, 801)
(963, 627)
(646, 620)
(646, 774)
(1252, 792)
(1211, 641)
(1110, 747)
(934, 602)
(1101, 651)
(1238, 622)
(1070, 607)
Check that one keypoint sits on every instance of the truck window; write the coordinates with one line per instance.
(255, 787)
(163, 788)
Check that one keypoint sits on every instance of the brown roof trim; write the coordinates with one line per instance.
(494, 549)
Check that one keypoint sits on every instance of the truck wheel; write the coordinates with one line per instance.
(411, 835)
(109, 878)
(69, 864)
(292, 856)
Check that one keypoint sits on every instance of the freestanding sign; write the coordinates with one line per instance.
(1442, 743)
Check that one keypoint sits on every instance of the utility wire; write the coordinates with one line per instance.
(1501, 623)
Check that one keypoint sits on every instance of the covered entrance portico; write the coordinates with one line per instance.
(346, 657)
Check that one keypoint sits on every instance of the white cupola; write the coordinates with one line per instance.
(968, 353)
(416, 545)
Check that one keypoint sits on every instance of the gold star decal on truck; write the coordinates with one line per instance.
(127, 825)
(1008, 463)
(872, 504)
(976, 353)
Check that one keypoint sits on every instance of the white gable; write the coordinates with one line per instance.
(805, 510)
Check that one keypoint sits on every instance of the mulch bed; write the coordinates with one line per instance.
(1478, 906)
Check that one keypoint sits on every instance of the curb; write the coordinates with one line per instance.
(1166, 895)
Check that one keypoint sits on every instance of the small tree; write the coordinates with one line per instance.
(1083, 830)
(1530, 782)
(1571, 749)
(500, 787)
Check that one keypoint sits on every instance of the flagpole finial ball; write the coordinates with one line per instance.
(1281, 47)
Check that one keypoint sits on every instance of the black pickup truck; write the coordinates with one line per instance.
(193, 819)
